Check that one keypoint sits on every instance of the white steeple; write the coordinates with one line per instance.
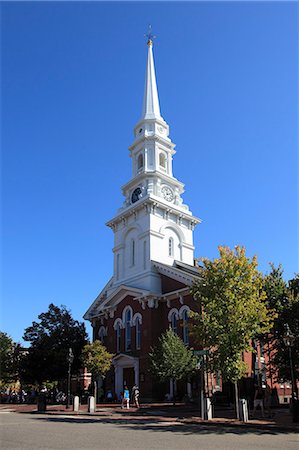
(153, 224)
(150, 108)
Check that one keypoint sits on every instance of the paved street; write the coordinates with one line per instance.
(33, 431)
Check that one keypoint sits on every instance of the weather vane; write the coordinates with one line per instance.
(150, 36)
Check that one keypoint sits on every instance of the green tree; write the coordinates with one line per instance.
(232, 311)
(285, 298)
(97, 360)
(10, 354)
(50, 340)
(171, 360)
(277, 298)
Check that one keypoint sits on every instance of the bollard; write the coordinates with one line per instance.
(41, 402)
(208, 409)
(243, 408)
(91, 404)
(76, 403)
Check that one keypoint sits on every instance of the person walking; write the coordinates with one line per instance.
(126, 398)
(258, 400)
(135, 395)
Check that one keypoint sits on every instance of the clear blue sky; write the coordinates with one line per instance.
(72, 86)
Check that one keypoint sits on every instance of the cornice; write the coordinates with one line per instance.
(155, 138)
(154, 174)
(150, 203)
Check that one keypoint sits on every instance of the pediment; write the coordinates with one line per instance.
(116, 297)
(123, 359)
(180, 275)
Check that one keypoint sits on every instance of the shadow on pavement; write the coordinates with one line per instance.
(177, 427)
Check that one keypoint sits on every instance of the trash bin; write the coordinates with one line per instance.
(41, 402)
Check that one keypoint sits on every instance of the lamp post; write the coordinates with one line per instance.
(70, 360)
(288, 339)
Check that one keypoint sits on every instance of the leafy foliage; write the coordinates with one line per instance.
(96, 358)
(170, 359)
(233, 310)
(277, 294)
(50, 340)
(285, 299)
(10, 354)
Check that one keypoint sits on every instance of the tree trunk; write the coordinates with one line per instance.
(173, 392)
(237, 400)
(95, 392)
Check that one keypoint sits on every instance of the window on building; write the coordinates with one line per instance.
(185, 328)
(170, 247)
(128, 319)
(132, 252)
(118, 337)
(138, 334)
(140, 162)
(174, 321)
(102, 334)
(162, 160)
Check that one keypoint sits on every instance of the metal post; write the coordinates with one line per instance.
(70, 361)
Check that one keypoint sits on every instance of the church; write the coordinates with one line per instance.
(153, 255)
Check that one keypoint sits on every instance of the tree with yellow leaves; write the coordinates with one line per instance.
(233, 311)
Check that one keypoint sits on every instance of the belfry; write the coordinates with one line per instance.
(153, 254)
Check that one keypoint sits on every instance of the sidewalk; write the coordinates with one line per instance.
(163, 412)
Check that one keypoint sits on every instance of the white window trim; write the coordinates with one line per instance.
(173, 310)
(116, 322)
(124, 315)
(182, 310)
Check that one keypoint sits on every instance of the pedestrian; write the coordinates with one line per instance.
(267, 400)
(126, 398)
(258, 400)
(135, 395)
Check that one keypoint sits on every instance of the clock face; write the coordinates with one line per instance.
(136, 194)
(167, 193)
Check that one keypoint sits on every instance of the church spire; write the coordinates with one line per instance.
(151, 108)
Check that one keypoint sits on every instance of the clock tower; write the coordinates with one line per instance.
(153, 225)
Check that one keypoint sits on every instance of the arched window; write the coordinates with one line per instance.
(138, 333)
(162, 160)
(132, 252)
(185, 328)
(102, 333)
(174, 322)
(128, 329)
(170, 247)
(140, 161)
(118, 337)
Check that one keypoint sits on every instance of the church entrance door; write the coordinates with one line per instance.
(129, 377)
